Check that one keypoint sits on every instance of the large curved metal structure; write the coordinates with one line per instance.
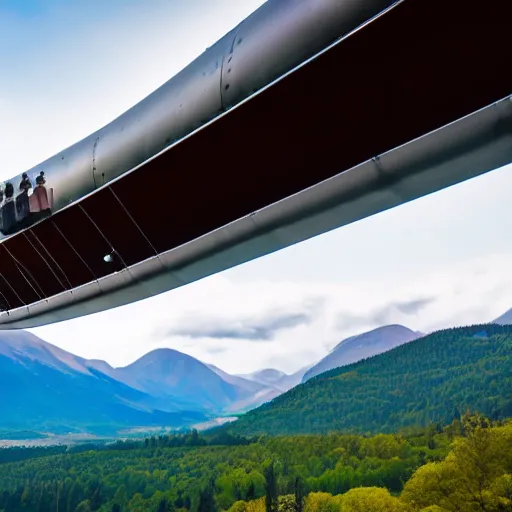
(276, 38)
(307, 116)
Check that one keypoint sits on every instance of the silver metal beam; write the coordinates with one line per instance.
(459, 151)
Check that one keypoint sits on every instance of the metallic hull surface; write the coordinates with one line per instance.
(410, 103)
(277, 37)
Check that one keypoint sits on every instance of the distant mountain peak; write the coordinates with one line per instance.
(276, 378)
(361, 346)
(268, 374)
(22, 345)
(505, 319)
(161, 353)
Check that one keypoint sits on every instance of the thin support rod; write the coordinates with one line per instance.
(73, 249)
(21, 268)
(45, 260)
(5, 300)
(52, 258)
(103, 235)
(133, 220)
(13, 290)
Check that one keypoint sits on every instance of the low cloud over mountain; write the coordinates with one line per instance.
(383, 315)
(262, 328)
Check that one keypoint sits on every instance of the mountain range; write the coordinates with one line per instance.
(46, 389)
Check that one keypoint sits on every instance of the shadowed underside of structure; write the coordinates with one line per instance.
(414, 101)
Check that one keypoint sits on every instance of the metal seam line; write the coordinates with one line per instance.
(103, 235)
(74, 250)
(15, 292)
(45, 261)
(229, 56)
(134, 221)
(52, 258)
(18, 265)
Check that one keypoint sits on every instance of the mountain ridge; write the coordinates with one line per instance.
(505, 319)
(166, 372)
(46, 395)
(361, 346)
(48, 388)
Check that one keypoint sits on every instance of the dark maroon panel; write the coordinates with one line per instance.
(118, 228)
(413, 70)
(64, 261)
(8, 296)
(24, 289)
(422, 65)
(38, 268)
(84, 237)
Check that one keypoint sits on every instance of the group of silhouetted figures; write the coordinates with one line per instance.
(18, 212)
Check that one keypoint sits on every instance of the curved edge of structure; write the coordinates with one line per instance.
(454, 153)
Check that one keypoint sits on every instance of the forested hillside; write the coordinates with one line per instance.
(295, 474)
(432, 379)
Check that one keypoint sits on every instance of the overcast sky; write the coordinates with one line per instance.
(68, 68)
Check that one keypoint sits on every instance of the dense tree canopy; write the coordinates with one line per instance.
(313, 473)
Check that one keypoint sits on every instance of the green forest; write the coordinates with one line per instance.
(433, 379)
(465, 466)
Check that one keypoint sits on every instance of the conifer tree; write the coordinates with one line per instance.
(271, 489)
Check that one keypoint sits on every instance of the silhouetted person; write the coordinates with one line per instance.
(22, 204)
(25, 184)
(8, 210)
(9, 190)
(1, 216)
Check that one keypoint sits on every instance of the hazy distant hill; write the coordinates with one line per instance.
(251, 386)
(45, 388)
(505, 319)
(434, 378)
(275, 378)
(364, 345)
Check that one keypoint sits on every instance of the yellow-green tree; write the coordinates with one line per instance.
(475, 476)
(370, 499)
(321, 502)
